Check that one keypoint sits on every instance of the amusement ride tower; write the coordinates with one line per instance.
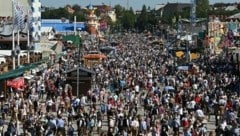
(92, 21)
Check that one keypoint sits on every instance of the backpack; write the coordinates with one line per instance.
(103, 108)
(175, 124)
(92, 122)
(70, 131)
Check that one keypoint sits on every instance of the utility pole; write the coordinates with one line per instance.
(78, 55)
(193, 12)
(193, 23)
(127, 4)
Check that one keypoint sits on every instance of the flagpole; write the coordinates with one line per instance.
(18, 47)
(13, 37)
(13, 49)
(78, 55)
(75, 25)
(28, 37)
(28, 45)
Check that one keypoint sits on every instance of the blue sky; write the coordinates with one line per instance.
(136, 4)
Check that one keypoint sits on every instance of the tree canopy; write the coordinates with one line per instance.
(145, 19)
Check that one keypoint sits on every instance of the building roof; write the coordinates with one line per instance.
(55, 20)
(231, 8)
(81, 69)
(235, 16)
(46, 29)
(175, 7)
(64, 27)
(103, 8)
(159, 6)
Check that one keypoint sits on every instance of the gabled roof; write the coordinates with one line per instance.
(81, 69)
(103, 8)
(172, 7)
(178, 5)
(231, 8)
(159, 6)
(235, 16)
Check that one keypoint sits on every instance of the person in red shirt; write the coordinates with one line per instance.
(229, 104)
(197, 99)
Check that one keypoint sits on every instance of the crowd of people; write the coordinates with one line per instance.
(138, 91)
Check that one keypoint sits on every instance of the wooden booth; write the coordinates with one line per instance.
(92, 59)
(85, 80)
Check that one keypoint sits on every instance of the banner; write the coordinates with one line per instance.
(17, 83)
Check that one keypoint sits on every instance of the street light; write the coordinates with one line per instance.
(18, 53)
(15, 52)
(236, 60)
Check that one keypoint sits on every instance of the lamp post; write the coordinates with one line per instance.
(18, 54)
(238, 61)
(18, 48)
(13, 50)
(28, 45)
(78, 55)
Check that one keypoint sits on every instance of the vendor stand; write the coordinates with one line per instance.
(92, 59)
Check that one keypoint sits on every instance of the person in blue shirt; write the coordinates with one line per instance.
(52, 124)
(70, 130)
(60, 126)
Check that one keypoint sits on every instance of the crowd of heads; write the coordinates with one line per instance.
(138, 90)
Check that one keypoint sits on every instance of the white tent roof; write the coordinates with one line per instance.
(46, 29)
(235, 16)
(186, 37)
(2, 59)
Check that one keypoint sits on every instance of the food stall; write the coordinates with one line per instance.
(93, 58)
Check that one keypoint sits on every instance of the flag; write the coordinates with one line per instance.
(29, 18)
(22, 17)
(19, 15)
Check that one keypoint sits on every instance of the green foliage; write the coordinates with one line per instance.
(61, 12)
(119, 10)
(55, 13)
(142, 19)
(128, 19)
(146, 19)
(202, 8)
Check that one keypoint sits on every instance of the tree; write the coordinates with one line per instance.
(142, 19)
(202, 8)
(76, 7)
(128, 19)
(55, 13)
(59, 13)
(119, 10)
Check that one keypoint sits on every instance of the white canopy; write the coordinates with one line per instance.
(182, 68)
(46, 29)
(2, 59)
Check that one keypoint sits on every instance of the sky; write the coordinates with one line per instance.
(135, 4)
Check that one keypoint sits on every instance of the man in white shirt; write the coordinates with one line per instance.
(135, 126)
(136, 88)
(199, 114)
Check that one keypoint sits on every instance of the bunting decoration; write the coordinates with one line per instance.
(19, 16)
(29, 18)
